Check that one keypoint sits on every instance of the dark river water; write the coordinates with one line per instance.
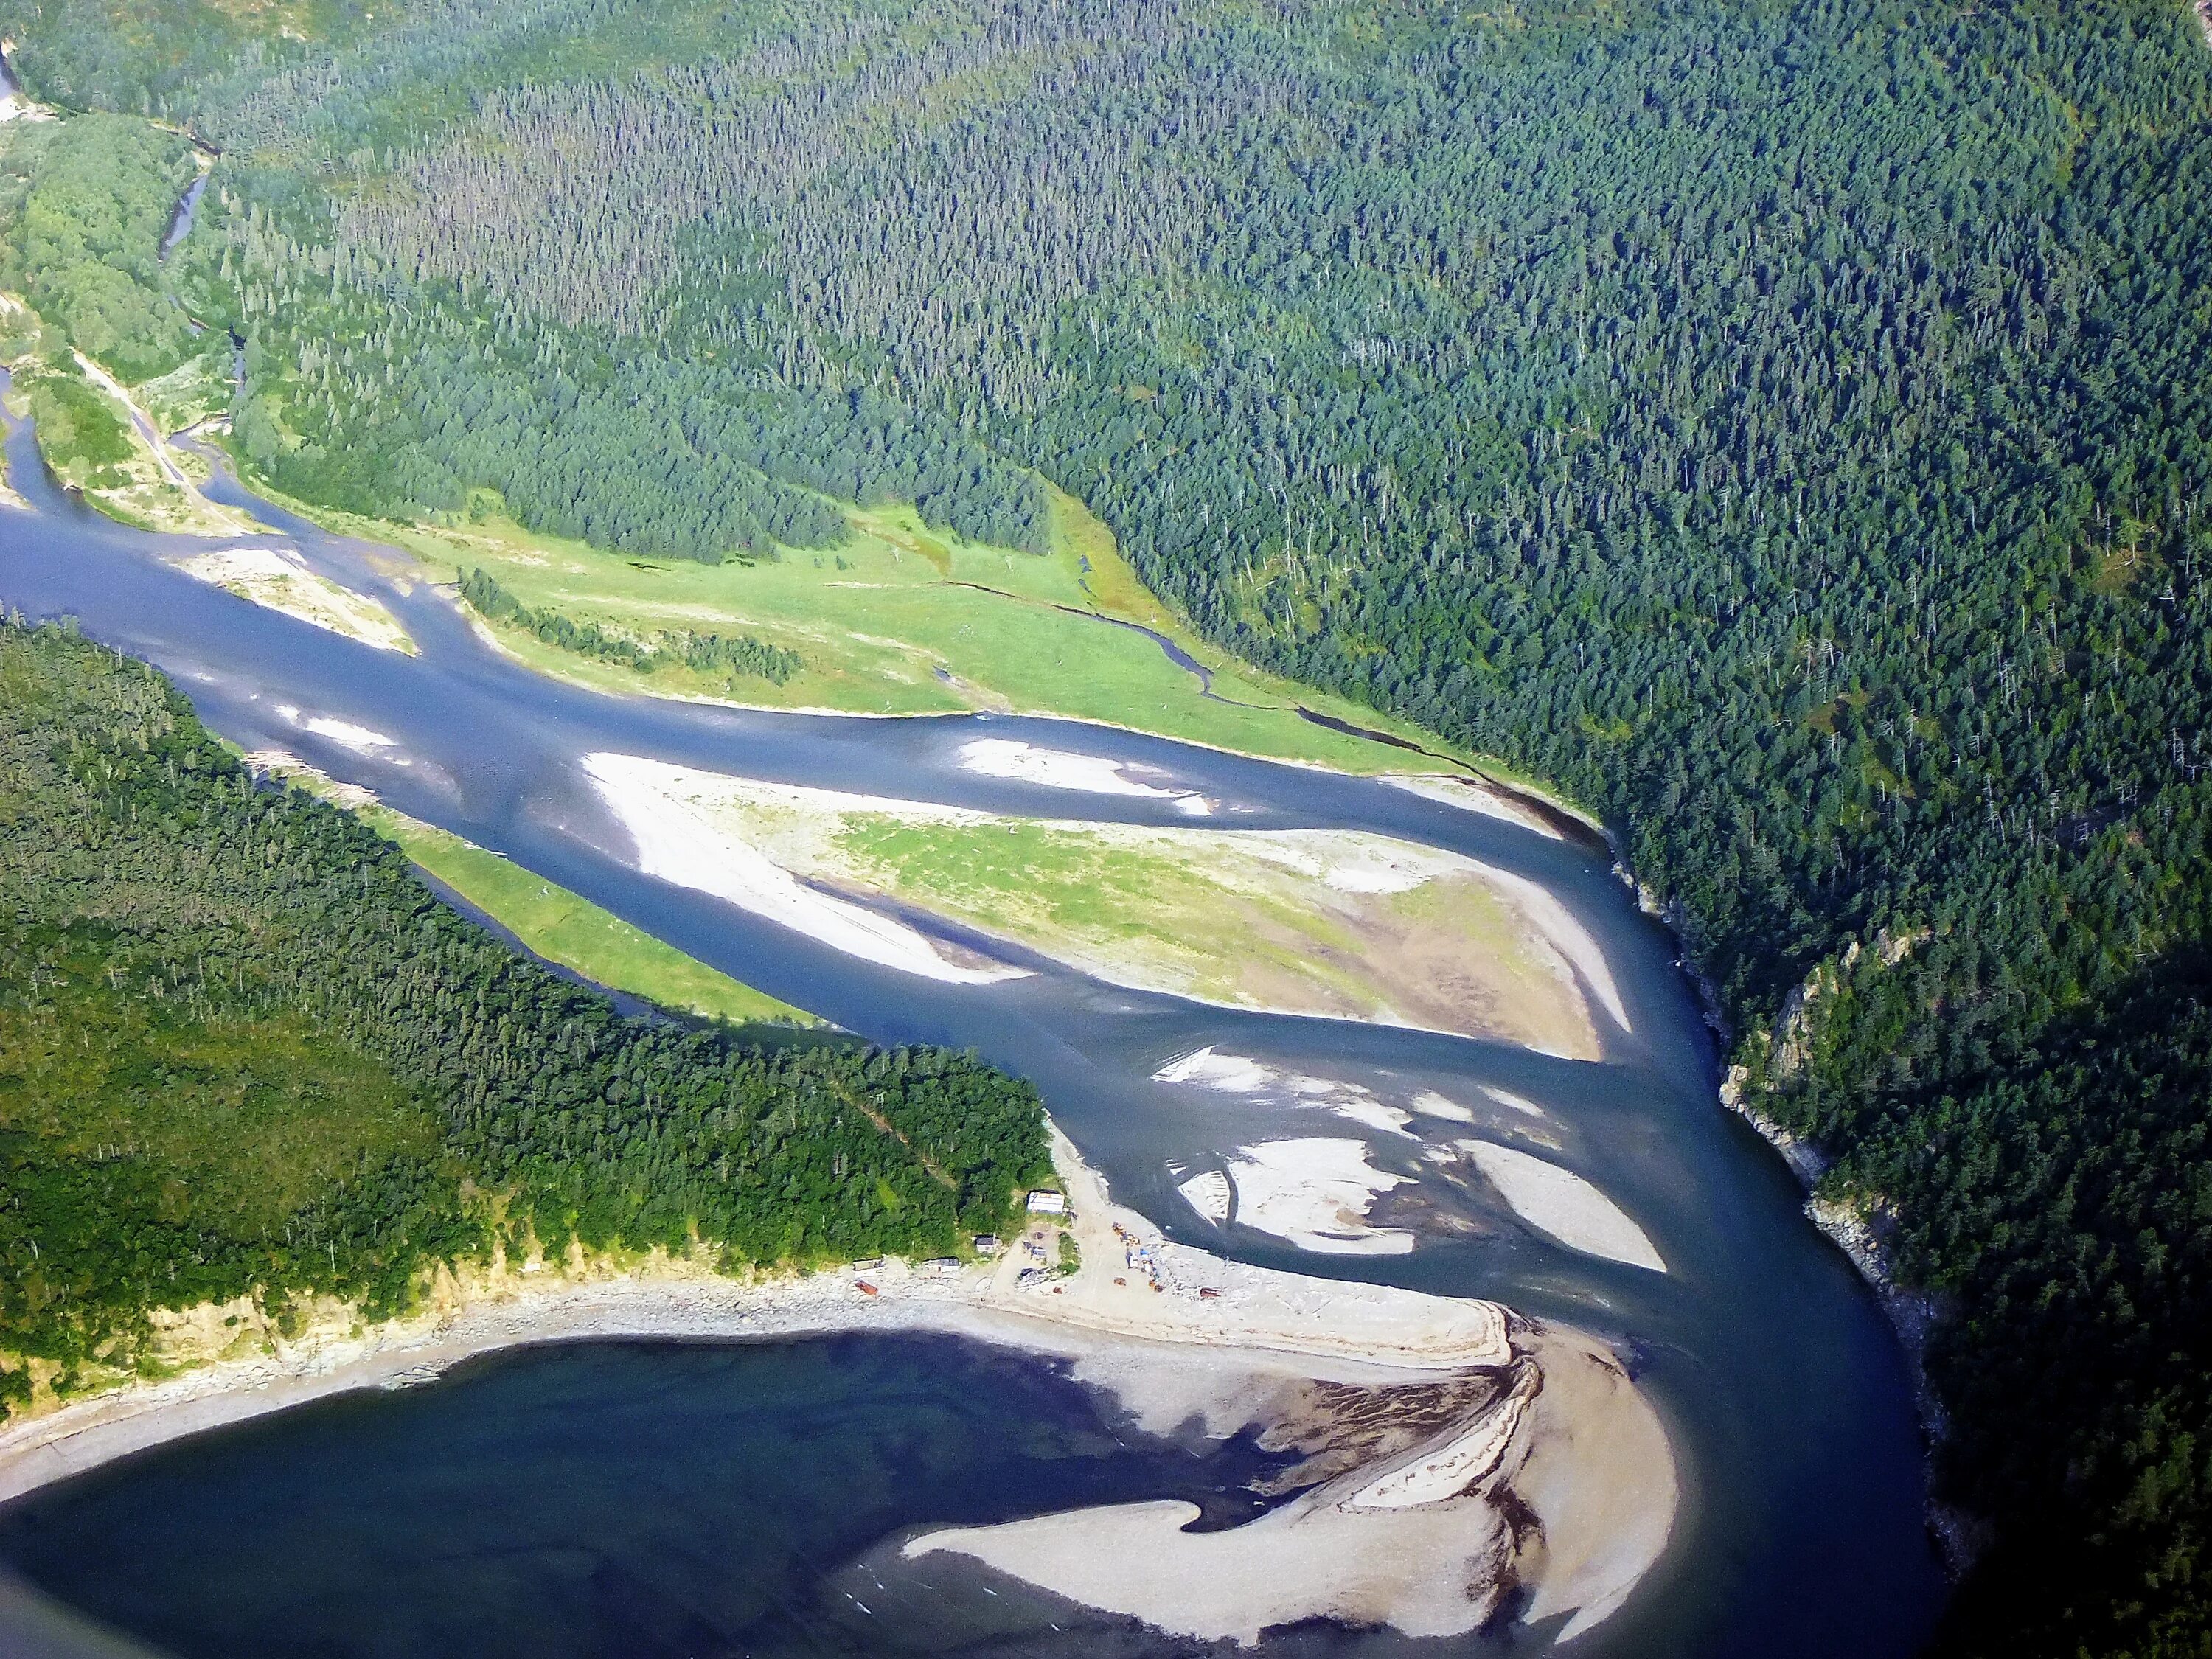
(619, 1498)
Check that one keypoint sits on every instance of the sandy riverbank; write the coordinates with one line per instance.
(1414, 1416)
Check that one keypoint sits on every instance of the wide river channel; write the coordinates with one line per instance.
(619, 1498)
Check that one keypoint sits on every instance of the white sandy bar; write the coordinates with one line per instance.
(1469, 796)
(677, 843)
(1055, 768)
(280, 580)
(1557, 1202)
(1314, 1191)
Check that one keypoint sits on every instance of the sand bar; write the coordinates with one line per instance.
(281, 581)
(1560, 1204)
(1055, 768)
(677, 843)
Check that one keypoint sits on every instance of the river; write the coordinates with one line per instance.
(1801, 1526)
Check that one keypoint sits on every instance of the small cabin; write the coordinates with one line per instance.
(943, 1265)
(1044, 1202)
(987, 1243)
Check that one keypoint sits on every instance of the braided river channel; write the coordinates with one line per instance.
(615, 1498)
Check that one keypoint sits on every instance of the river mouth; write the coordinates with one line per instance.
(1782, 1390)
(609, 1499)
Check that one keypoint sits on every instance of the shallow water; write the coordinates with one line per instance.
(607, 1500)
(1801, 1530)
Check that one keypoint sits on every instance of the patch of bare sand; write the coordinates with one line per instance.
(1471, 796)
(1561, 1205)
(282, 581)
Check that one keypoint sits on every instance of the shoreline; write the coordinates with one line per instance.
(1910, 1315)
(1458, 1410)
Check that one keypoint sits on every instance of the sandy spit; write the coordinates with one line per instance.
(1414, 1534)
(1055, 768)
(1472, 797)
(282, 581)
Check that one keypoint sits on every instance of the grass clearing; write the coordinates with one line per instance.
(905, 620)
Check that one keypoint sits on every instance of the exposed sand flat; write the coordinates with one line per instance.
(1562, 1205)
(1429, 1103)
(1520, 1103)
(1471, 796)
(281, 581)
(676, 842)
(363, 740)
(1239, 1074)
(1315, 1192)
(1056, 768)
(1208, 1193)
(1209, 1068)
(1374, 1115)
(1312, 1559)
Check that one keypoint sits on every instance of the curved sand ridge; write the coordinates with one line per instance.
(1545, 1471)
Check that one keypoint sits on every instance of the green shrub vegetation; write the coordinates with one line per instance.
(742, 656)
(243, 1049)
(1781, 423)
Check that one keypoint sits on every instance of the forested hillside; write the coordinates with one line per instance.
(242, 1047)
(1785, 425)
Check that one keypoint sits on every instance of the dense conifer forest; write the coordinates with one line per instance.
(1784, 425)
(243, 1047)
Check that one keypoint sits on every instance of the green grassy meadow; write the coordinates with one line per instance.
(877, 618)
(562, 927)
